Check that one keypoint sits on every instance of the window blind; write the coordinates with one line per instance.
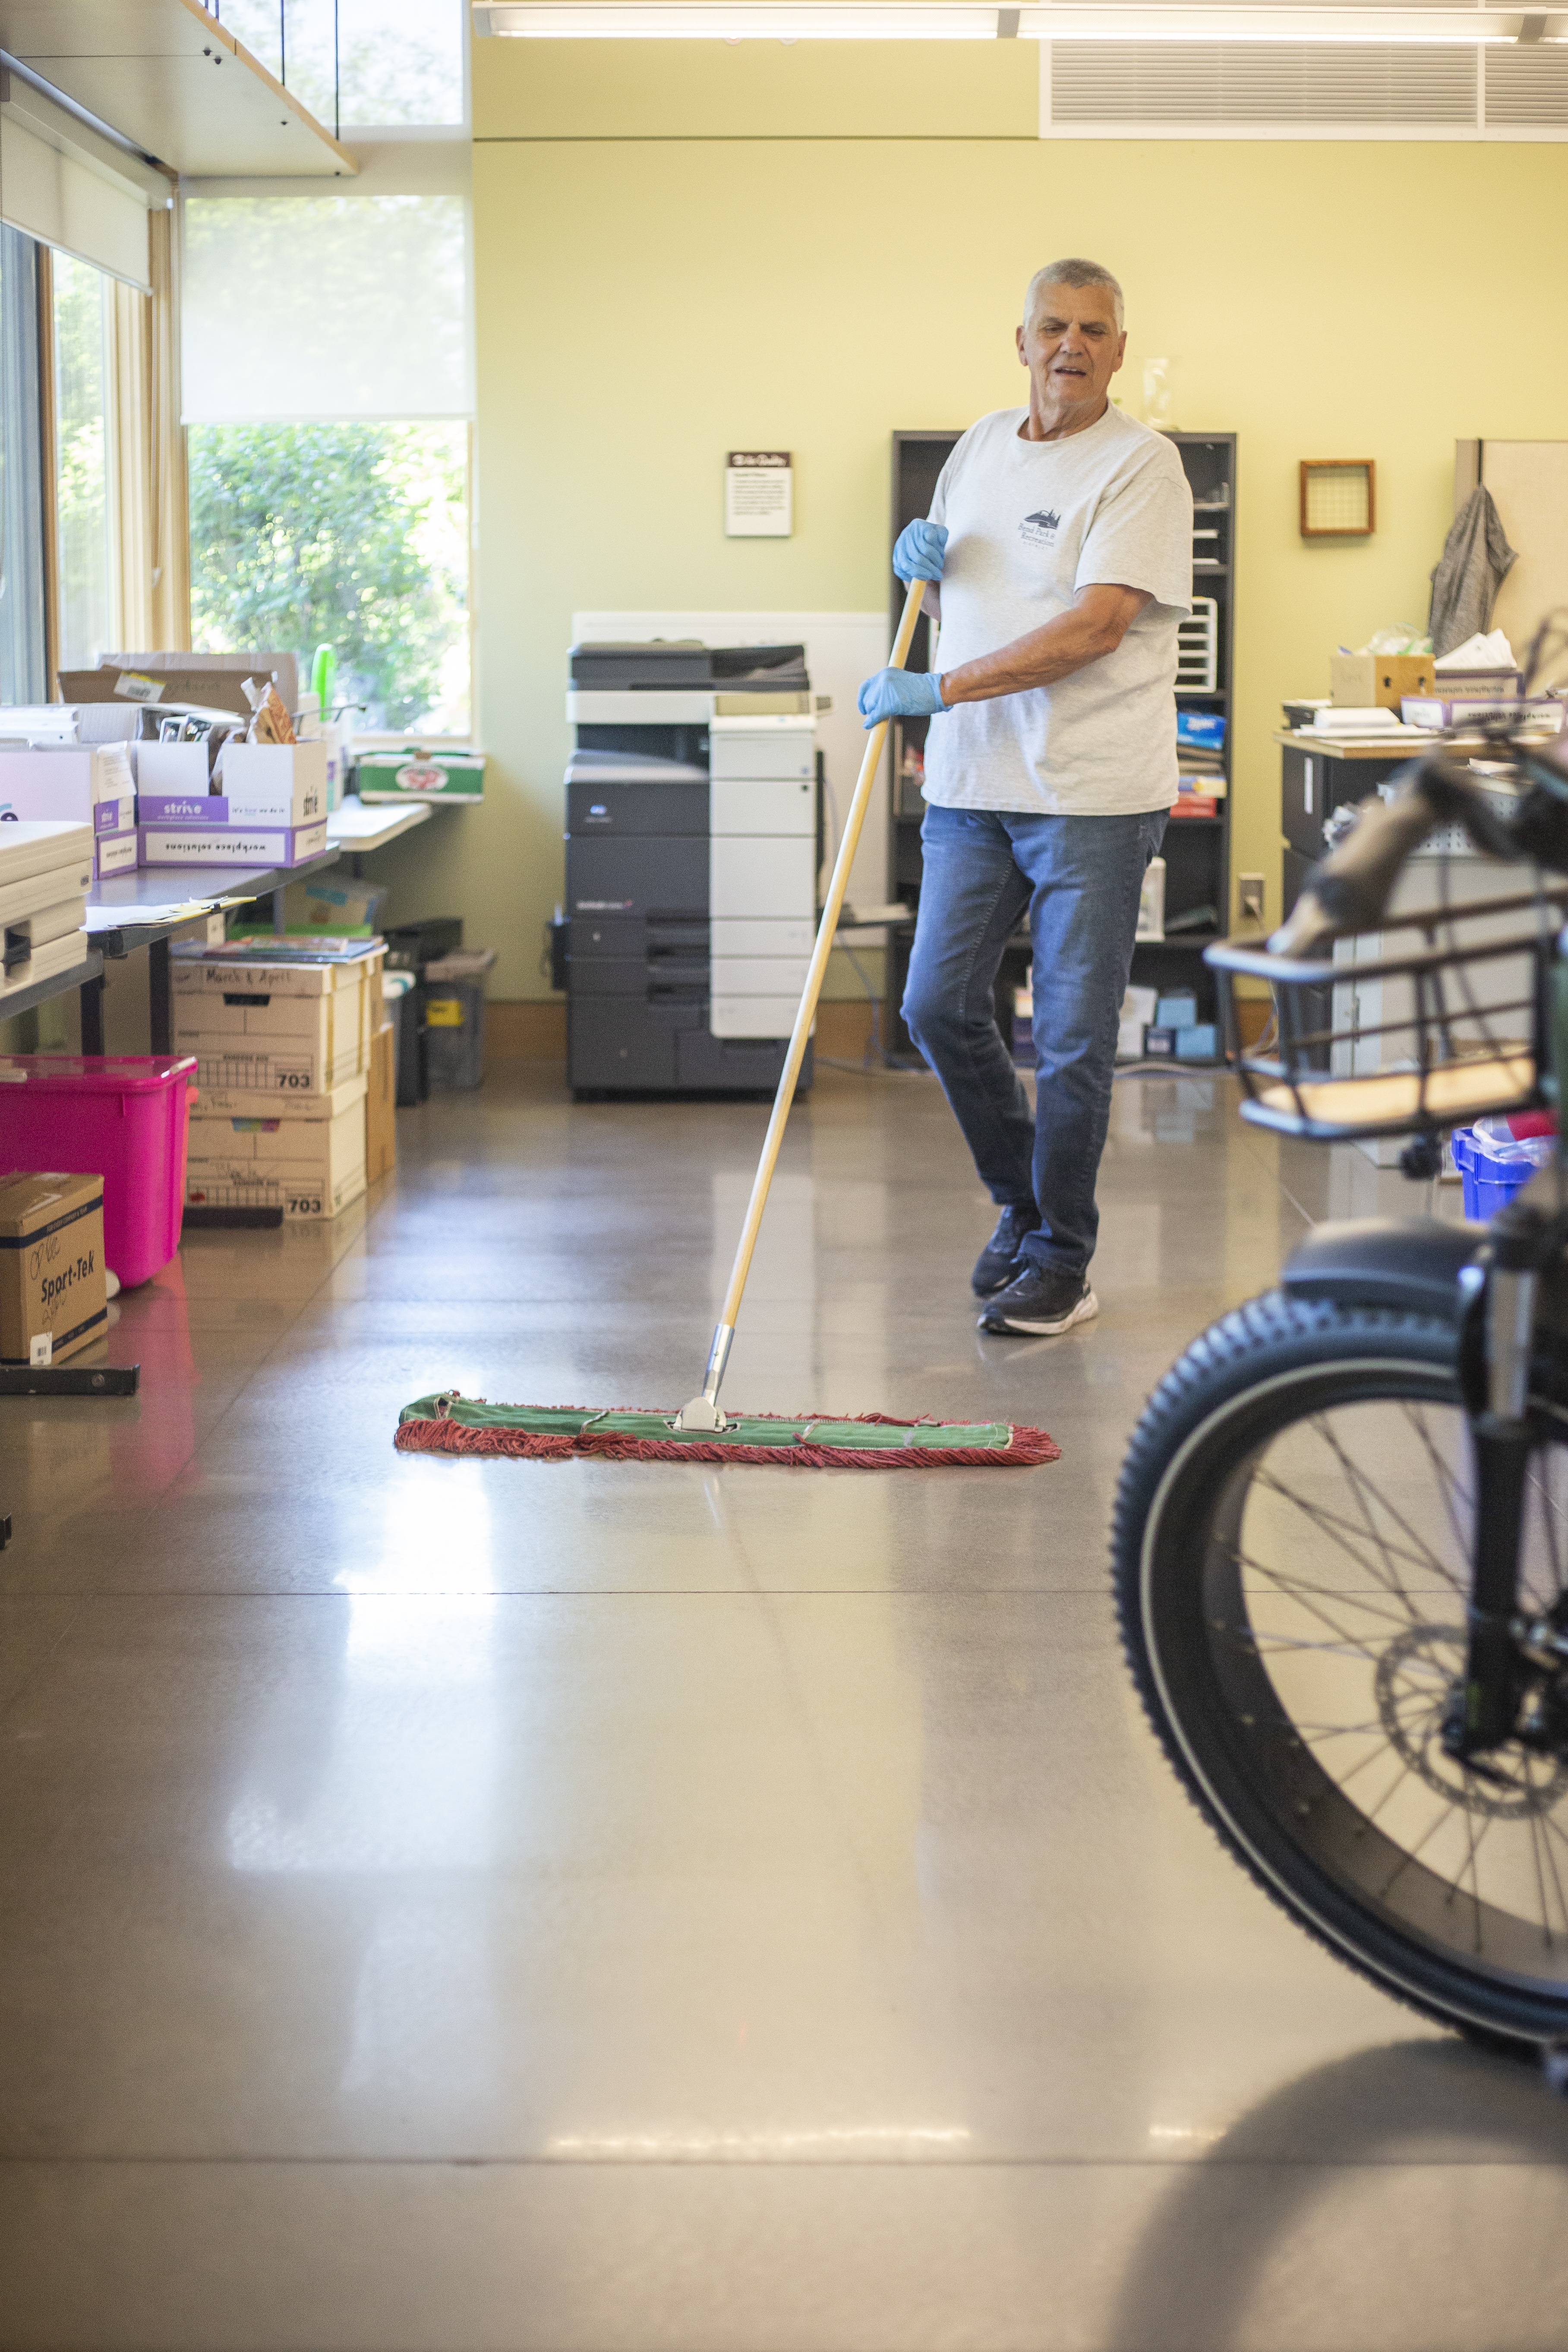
(51, 195)
(340, 306)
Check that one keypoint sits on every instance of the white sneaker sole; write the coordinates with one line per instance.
(1087, 1308)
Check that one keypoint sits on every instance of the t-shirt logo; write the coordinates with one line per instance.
(1040, 529)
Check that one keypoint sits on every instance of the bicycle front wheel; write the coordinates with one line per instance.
(1292, 1554)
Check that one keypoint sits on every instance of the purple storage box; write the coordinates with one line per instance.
(231, 845)
(181, 808)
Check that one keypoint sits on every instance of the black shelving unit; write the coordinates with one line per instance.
(1196, 849)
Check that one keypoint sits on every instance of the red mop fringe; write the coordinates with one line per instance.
(1028, 1449)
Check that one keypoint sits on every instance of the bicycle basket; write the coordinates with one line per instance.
(1434, 1021)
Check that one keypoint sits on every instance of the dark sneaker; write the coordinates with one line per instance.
(1040, 1303)
(999, 1263)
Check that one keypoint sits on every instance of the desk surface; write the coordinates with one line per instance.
(355, 827)
(125, 896)
(1403, 747)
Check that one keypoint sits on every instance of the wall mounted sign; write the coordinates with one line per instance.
(1339, 497)
(759, 494)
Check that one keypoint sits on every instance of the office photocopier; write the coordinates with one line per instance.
(693, 835)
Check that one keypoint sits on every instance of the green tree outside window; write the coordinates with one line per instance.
(351, 535)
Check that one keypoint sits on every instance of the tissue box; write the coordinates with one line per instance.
(1365, 681)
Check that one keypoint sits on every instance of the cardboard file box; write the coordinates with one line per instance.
(306, 1158)
(275, 1029)
(1368, 681)
(381, 1105)
(53, 1299)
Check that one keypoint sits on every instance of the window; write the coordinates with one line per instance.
(373, 64)
(352, 535)
(329, 466)
(24, 675)
(83, 515)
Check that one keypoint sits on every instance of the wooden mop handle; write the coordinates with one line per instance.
(825, 928)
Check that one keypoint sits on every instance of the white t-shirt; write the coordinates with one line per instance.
(1029, 523)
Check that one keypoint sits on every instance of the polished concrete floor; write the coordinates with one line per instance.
(475, 1906)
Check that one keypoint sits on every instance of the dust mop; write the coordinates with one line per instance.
(701, 1430)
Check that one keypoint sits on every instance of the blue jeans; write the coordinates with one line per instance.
(1080, 877)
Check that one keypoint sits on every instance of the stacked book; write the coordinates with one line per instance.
(1200, 763)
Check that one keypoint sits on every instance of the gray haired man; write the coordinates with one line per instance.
(1061, 536)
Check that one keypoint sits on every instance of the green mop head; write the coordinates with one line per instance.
(450, 1423)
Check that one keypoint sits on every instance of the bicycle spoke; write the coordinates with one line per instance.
(1350, 1557)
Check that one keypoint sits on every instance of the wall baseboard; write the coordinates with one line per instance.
(535, 1030)
(532, 1030)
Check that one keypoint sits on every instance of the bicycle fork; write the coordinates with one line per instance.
(1486, 1708)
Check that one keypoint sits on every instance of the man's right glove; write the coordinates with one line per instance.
(921, 550)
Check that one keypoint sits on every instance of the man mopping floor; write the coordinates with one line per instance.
(1061, 535)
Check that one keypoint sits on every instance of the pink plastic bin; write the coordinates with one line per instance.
(123, 1117)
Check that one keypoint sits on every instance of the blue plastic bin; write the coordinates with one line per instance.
(1489, 1184)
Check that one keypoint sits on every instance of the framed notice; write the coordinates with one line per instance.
(759, 501)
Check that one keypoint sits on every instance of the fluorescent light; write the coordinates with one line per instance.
(912, 20)
(1427, 27)
(589, 20)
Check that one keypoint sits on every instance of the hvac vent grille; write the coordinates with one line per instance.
(1526, 87)
(1200, 82)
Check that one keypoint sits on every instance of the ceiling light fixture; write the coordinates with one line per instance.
(1062, 20)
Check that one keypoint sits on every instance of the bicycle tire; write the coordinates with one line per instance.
(1268, 1375)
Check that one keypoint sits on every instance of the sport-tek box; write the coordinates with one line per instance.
(230, 845)
(276, 1028)
(53, 1300)
(305, 1157)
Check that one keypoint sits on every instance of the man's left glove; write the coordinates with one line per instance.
(901, 694)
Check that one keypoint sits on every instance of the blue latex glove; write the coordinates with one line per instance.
(901, 694)
(921, 552)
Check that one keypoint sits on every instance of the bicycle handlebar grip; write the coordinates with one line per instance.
(1350, 889)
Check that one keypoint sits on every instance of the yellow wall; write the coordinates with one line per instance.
(683, 248)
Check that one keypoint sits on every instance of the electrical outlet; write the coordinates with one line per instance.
(1249, 894)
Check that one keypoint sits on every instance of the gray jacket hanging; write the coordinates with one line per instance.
(1476, 561)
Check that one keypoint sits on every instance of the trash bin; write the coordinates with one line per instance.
(1494, 1164)
(454, 989)
(409, 949)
